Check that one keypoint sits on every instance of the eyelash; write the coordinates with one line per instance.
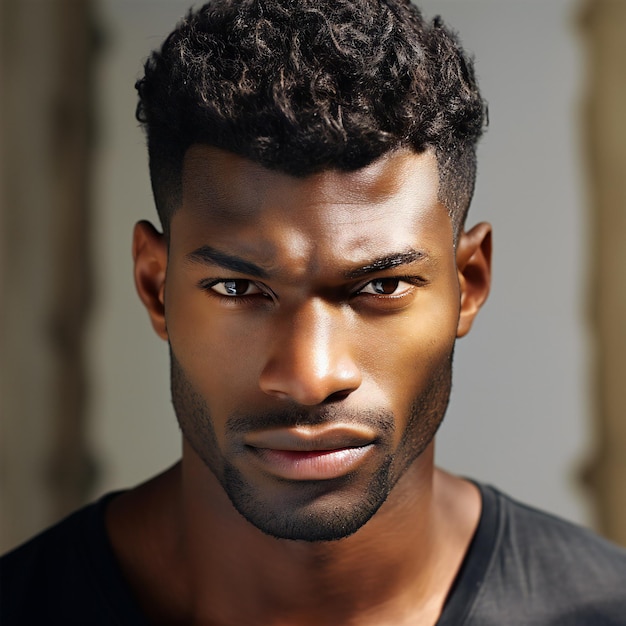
(414, 281)
(207, 285)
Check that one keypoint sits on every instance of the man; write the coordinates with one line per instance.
(312, 163)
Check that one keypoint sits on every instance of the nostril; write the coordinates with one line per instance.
(337, 396)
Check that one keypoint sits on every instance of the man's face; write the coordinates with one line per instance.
(311, 324)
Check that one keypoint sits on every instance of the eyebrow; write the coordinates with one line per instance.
(387, 262)
(210, 256)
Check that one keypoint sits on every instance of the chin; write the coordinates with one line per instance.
(309, 511)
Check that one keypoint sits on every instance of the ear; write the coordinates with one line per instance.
(473, 260)
(150, 257)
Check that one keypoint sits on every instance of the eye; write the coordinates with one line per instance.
(234, 288)
(386, 287)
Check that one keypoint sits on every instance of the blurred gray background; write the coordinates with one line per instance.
(528, 410)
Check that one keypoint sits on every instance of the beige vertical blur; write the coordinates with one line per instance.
(44, 177)
(604, 24)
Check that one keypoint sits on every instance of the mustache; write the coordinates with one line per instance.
(381, 420)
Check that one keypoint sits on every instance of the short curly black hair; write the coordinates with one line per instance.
(306, 85)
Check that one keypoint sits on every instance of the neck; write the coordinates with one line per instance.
(221, 569)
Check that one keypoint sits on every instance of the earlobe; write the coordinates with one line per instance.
(473, 260)
(150, 258)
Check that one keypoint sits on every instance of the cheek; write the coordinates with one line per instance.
(217, 352)
(412, 348)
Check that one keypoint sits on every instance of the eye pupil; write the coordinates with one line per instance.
(385, 285)
(236, 287)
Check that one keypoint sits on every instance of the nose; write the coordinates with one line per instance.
(309, 360)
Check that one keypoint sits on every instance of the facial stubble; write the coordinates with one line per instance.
(317, 510)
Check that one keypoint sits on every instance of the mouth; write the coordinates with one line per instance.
(303, 453)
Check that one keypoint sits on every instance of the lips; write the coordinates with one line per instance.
(304, 453)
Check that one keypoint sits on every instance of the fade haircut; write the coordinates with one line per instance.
(302, 86)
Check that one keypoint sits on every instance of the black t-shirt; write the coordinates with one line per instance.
(523, 567)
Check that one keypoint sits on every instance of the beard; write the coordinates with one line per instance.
(316, 510)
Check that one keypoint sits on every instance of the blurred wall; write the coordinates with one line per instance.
(604, 25)
(46, 53)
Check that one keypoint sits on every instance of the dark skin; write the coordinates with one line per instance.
(337, 296)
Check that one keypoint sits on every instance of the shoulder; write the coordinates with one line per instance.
(544, 569)
(551, 541)
(67, 574)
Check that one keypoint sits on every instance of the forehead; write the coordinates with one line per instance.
(234, 202)
(209, 175)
